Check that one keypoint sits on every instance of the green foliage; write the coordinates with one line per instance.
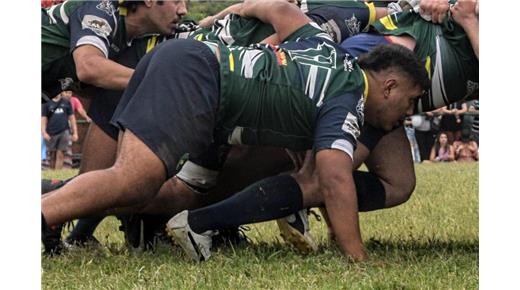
(430, 242)
(198, 10)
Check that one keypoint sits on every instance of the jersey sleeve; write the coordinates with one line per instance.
(341, 19)
(93, 24)
(339, 122)
(308, 30)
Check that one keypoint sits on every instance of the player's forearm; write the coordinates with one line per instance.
(472, 31)
(341, 205)
(104, 73)
(92, 67)
(282, 15)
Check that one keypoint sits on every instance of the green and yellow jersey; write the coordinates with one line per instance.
(309, 74)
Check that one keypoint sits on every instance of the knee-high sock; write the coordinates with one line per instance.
(370, 191)
(84, 229)
(270, 198)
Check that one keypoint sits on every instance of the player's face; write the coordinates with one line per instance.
(167, 16)
(397, 100)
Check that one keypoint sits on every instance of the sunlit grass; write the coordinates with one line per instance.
(430, 242)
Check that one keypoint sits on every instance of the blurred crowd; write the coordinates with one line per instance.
(450, 133)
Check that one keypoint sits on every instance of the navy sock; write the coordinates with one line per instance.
(268, 199)
(84, 228)
(370, 191)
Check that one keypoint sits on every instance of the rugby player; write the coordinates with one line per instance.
(304, 93)
(80, 38)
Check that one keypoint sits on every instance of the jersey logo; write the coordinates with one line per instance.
(347, 63)
(107, 7)
(353, 25)
(315, 56)
(332, 28)
(360, 109)
(97, 24)
(59, 110)
(350, 125)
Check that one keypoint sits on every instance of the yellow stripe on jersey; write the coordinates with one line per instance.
(231, 62)
(365, 91)
(151, 43)
(371, 12)
(122, 10)
(427, 66)
(199, 37)
(388, 23)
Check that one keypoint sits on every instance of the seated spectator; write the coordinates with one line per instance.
(466, 150)
(442, 150)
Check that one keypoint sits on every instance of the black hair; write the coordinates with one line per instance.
(387, 56)
(131, 5)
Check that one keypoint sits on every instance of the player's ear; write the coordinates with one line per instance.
(388, 86)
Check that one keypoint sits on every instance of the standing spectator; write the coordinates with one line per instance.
(473, 107)
(76, 107)
(442, 151)
(56, 116)
(451, 122)
(410, 134)
(425, 130)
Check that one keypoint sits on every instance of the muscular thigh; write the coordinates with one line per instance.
(391, 160)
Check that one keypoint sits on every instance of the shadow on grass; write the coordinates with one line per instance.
(405, 249)
(470, 246)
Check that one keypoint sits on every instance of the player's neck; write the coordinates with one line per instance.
(134, 26)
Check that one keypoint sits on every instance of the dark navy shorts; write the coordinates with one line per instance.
(172, 99)
(363, 43)
(101, 109)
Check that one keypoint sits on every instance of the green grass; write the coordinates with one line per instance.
(430, 242)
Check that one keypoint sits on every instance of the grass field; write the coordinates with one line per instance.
(430, 242)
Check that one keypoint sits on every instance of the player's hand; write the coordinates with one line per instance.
(465, 12)
(434, 10)
(207, 22)
(46, 136)
(75, 137)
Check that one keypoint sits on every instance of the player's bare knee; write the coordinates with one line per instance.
(402, 191)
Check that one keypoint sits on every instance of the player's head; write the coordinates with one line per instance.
(396, 79)
(159, 16)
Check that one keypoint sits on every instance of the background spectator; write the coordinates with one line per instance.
(56, 116)
(77, 107)
(410, 134)
(426, 127)
(442, 151)
(451, 120)
(473, 107)
(466, 149)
